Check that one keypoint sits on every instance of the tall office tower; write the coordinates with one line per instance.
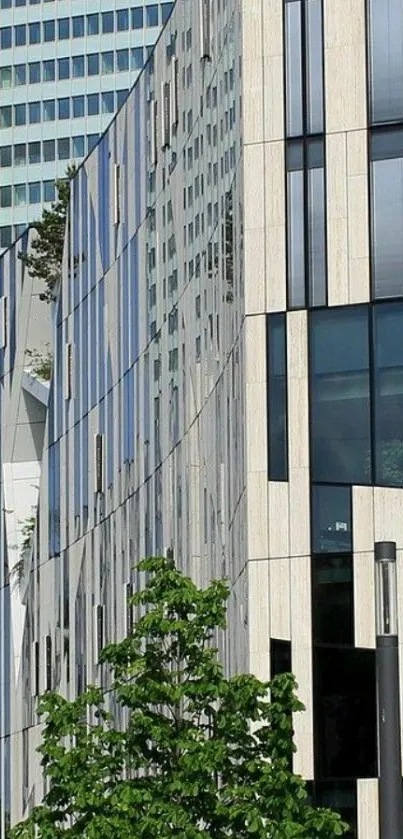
(65, 68)
(227, 377)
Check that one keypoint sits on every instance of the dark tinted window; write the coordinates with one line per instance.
(387, 213)
(304, 67)
(388, 375)
(333, 599)
(340, 396)
(280, 657)
(386, 59)
(277, 397)
(331, 519)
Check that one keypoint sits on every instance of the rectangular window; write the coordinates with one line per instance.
(49, 111)
(5, 196)
(49, 70)
(122, 20)
(93, 64)
(78, 26)
(5, 116)
(152, 15)
(5, 38)
(34, 33)
(34, 72)
(63, 68)
(137, 18)
(108, 102)
(20, 154)
(63, 108)
(63, 28)
(136, 58)
(34, 152)
(386, 59)
(122, 58)
(63, 148)
(78, 106)
(78, 147)
(6, 233)
(20, 35)
(20, 75)
(306, 223)
(49, 30)
(92, 24)
(304, 67)
(35, 193)
(20, 195)
(20, 114)
(277, 397)
(340, 396)
(388, 393)
(107, 62)
(78, 66)
(93, 104)
(34, 112)
(331, 519)
(280, 657)
(387, 213)
(107, 22)
(5, 157)
(48, 150)
(6, 78)
(166, 9)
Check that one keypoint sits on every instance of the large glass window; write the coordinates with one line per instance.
(35, 193)
(63, 148)
(34, 72)
(306, 223)
(78, 66)
(78, 26)
(137, 18)
(20, 114)
(34, 33)
(5, 116)
(122, 57)
(93, 104)
(387, 212)
(277, 397)
(63, 28)
(49, 30)
(20, 154)
(49, 70)
(5, 156)
(20, 35)
(333, 599)
(331, 519)
(5, 38)
(108, 102)
(20, 74)
(63, 68)
(388, 381)
(5, 196)
(340, 396)
(107, 62)
(34, 112)
(122, 19)
(49, 111)
(49, 150)
(78, 147)
(107, 22)
(92, 24)
(78, 106)
(304, 67)
(386, 59)
(152, 15)
(6, 78)
(63, 108)
(34, 152)
(93, 64)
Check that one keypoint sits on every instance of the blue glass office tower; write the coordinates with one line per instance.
(65, 68)
(227, 374)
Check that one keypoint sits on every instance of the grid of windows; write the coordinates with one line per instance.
(64, 108)
(98, 23)
(77, 67)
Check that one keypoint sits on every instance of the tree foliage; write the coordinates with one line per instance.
(45, 256)
(196, 756)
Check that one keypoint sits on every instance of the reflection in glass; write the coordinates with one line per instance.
(333, 599)
(314, 66)
(331, 519)
(340, 396)
(388, 376)
(277, 397)
(293, 29)
(387, 226)
(386, 59)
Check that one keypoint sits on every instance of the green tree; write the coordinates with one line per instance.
(197, 756)
(45, 256)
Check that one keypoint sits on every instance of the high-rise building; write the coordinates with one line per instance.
(65, 68)
(227, 375)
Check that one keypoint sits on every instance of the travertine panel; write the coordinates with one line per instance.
(388, 515)
(367, 808)
(298, 436)
(258, 619)
(337, 225)
(275, 227)
(252, 39)
(358, 227)
(255, 350)
(301, 637)
(363, 519)
(345, 65)
(254, 229)
(364, 599)
(257, 516)
(273, 70)
(279, 542)
(280, 622)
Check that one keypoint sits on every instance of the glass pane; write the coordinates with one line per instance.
(293, 68)
(340, 403)
(48, 71)
(387, 225)
(316, 237)
(388, 363)
(333, 599)
(331, 519)
(277, 397)
(314, 66)
(295, 239)
(386, 59)
(280, 657)
(20, 74)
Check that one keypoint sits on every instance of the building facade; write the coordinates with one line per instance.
(227, 376)
(65, 68)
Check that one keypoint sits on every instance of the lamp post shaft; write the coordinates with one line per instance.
(389, 740)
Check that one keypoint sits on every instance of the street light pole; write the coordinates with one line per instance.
(387, 677)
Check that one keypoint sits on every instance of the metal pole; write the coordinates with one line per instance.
(388, 706)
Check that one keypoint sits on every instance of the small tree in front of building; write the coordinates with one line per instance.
(195, 755)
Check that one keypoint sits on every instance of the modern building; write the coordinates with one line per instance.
(65, 67)
(227, 377)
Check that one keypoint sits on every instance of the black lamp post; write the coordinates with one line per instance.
(387, 677)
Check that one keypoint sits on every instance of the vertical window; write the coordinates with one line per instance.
(152, 15)
(5, 38)
(35, 193)
(78, 106)
(387, 212)
(20, 154)
(122, 19)
(93, 64)
(137, 18)
(5, 196)
(107, 62)
(20, 75)
(6, 78)
(48, 150)
(340, 396)
(34, 112)
(34, 33)
(108, 102)
(49, 30)
(34, 152)
(304, 67)
(34, 72)
(136, 58)
(78, 66)
(20, 35)
(122, 58)
(166, 9)
(78, 147)
(20, 195)
(306, 223)
(49, 70)
(78, 26)
(5, 156)
(93, 104)
(20, 116)
(92, 24)
(63, 28)
(388, 381)
(63, 68)
(386, 59)
(63, 108)
(280, 657)
(107, 22)
(277, 397)
(49, 110)
(331, 519)
(63, 148)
